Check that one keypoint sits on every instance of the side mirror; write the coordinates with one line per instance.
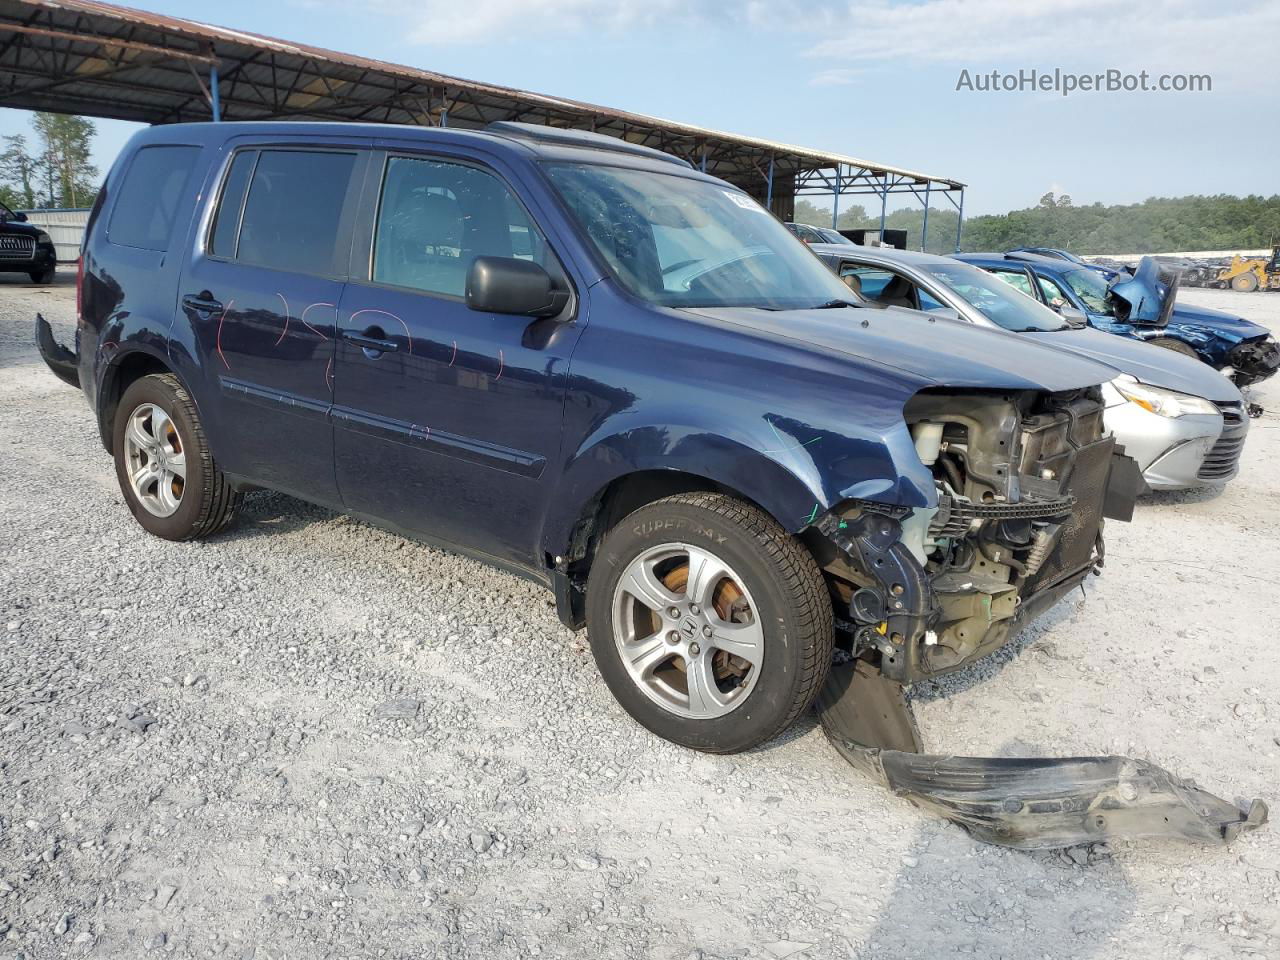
(951, 313)
(20, 217)
(1073, 315)
(509, 285)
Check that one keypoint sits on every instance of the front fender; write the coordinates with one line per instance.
(794, 471)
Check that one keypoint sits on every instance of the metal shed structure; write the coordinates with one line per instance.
(102, 60)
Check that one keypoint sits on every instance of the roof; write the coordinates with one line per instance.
(98, 59)
(888, 253)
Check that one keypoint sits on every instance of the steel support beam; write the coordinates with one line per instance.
(924, 230)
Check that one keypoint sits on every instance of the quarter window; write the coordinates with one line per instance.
(147, 200)
(291, 214)
(1016, 279)
(436, 217)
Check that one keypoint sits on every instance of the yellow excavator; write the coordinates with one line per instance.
(1252, 273)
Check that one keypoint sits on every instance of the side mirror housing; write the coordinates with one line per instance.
(1073, 315)
(510, 285)
(951, 313)
(20, 217)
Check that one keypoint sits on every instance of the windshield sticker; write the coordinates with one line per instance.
(746, 203)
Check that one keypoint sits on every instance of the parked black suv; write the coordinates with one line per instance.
(25, 248)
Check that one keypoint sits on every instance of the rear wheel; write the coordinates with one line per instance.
(44, 277)
(1245, 282)
(1177, 346)
(166, 472)
(710, 624)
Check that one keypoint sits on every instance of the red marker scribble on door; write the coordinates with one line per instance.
(218, 340)
(408, 335)
(286, 318)
(303, 318)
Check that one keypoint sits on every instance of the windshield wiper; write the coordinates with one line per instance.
(833, 304)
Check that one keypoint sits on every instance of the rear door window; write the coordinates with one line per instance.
(148, 199)
(291, 213)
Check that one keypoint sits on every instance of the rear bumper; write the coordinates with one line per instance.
(63, 362)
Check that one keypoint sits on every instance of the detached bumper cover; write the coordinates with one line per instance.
(1029, 804)
(59, 359)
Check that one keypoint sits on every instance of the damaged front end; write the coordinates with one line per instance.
(1023, 480)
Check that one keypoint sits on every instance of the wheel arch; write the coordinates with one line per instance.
(123, 370)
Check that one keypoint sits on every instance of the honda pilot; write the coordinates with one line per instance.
(588, 363)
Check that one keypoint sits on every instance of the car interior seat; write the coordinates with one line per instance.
(898, 293)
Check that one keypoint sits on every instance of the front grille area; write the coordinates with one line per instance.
(15, 247)
(1223, 458)
(1088, 485)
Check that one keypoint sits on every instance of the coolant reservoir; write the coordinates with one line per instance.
(928, 438)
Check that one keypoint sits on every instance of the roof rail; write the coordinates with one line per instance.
(578, 138)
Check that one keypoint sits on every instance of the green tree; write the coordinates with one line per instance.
(18, 172)
(65, 148)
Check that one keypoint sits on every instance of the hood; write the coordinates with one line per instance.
(1151, 365)
(12, 227)
(1150, 302)
(935, 350)
(1227, 325)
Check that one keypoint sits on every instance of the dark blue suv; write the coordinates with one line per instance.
(588, 363)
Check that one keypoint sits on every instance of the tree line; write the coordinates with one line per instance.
(53, 168)
(1156, 225)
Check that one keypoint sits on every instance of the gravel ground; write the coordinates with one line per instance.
(310, 738)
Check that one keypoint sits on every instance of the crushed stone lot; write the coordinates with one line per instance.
(310, 738)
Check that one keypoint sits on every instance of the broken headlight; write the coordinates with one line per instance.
(1165, 403)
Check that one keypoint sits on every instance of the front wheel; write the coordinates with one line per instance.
(168, 476)
(43, 277)
(711, 625)
(1177, 346)
(1245, 282)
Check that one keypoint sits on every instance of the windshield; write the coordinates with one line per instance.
(998, 302)
(1091, 288)
(681, 242)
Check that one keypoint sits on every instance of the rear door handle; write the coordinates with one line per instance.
(202, 302)
(373, 340)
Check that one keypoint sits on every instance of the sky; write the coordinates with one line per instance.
(876, 79)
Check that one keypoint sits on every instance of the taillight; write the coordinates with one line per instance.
(79, 288)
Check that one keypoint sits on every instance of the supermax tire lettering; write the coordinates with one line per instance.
(650, 526)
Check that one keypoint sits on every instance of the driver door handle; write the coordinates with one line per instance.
(202, 302)
(373, 339)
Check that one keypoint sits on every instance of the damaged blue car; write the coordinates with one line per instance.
(1142, 305)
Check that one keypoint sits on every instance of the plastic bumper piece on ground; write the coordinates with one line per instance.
(1031, 804)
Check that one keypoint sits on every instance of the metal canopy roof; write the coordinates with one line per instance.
(97, 59)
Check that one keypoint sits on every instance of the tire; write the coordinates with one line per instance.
(1245, 282)
(1177, 346)
(43, 277)
(777, 594)
(204, 502)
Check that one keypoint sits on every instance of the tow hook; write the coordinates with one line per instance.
(1029, 803)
